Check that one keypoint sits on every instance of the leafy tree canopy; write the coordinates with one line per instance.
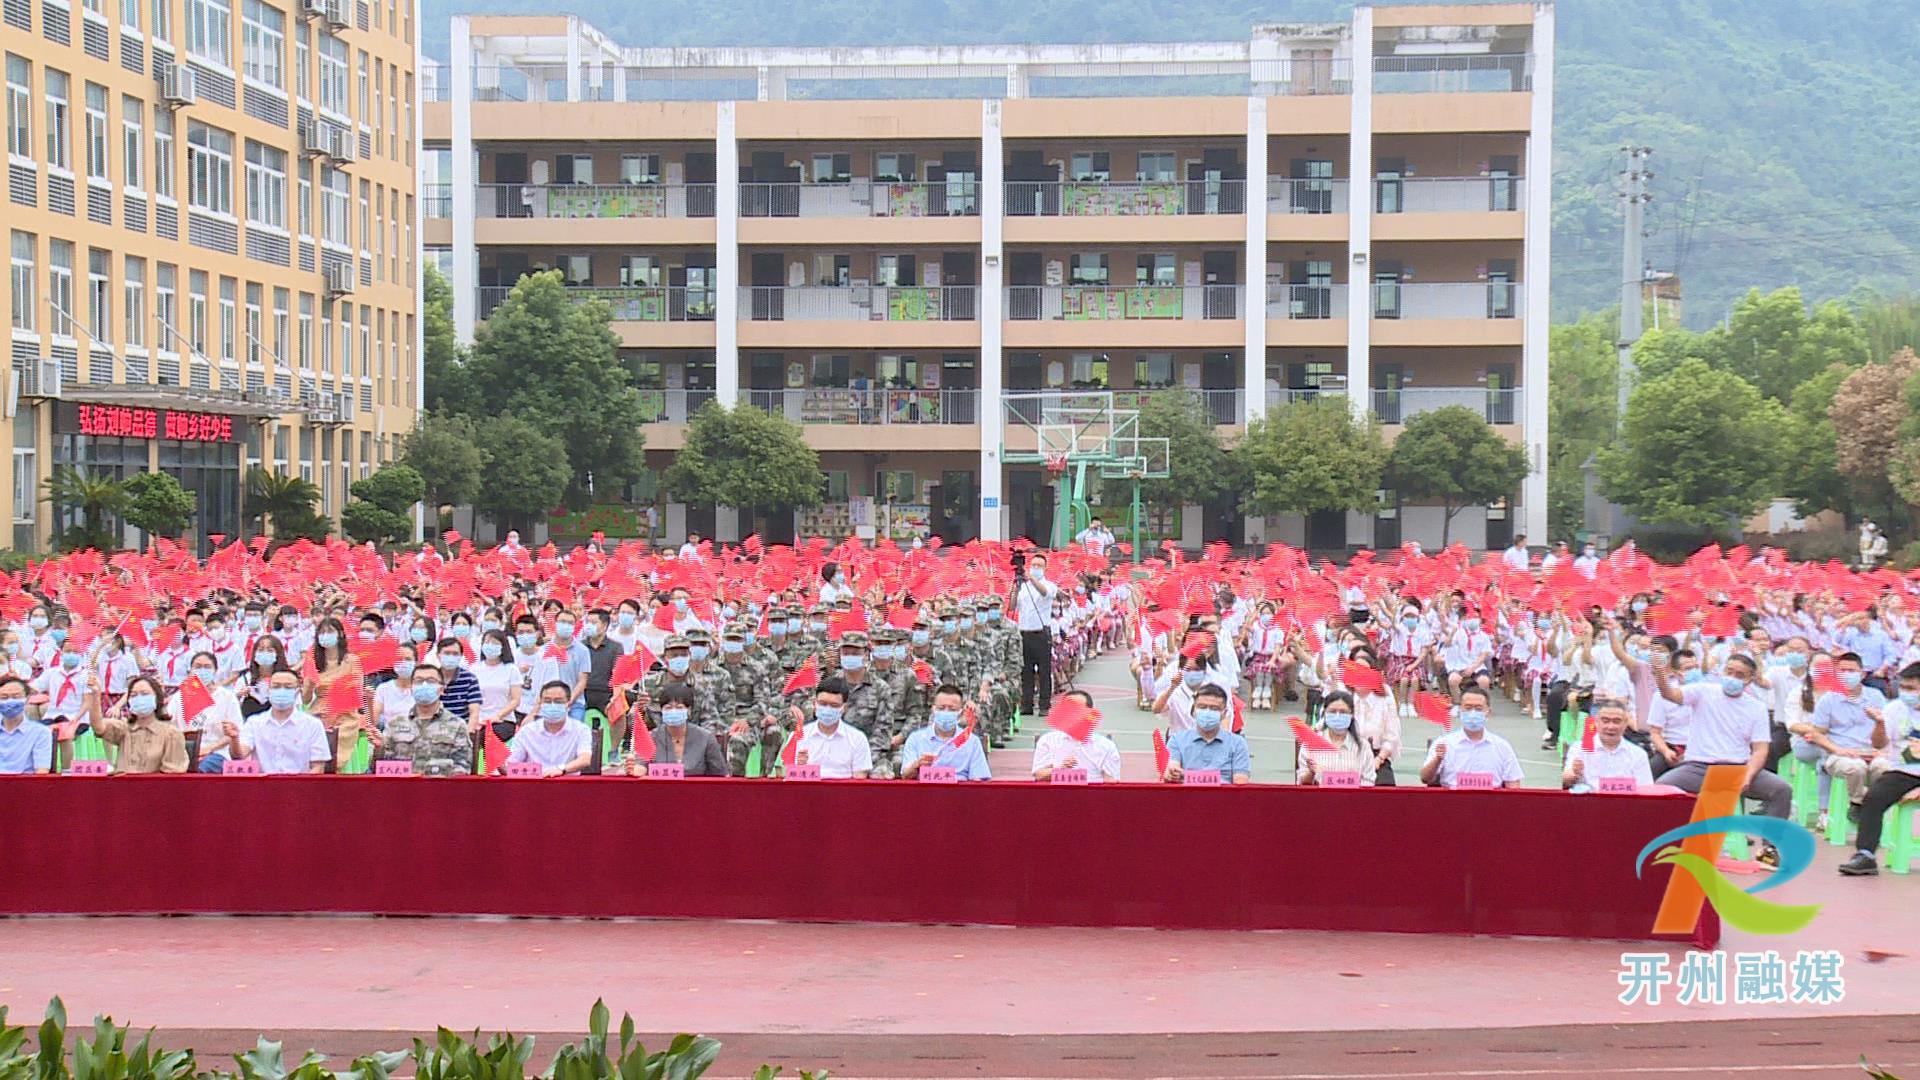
(1700, 449)
(1308, 456)
(746, 458)
(1453, 456)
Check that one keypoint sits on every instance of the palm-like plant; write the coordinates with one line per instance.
(97, 497)
(286, 502)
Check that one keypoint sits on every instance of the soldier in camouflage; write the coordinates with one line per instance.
(434, 740)
(893, 670)
(712, 686)
(952, 660)
(754, 697)
(676, 669)
(869, 706)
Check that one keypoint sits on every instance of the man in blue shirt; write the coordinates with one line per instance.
(1875, 647)
(933, 745)
(1849, 728)
(1208, 745)
(26, 746)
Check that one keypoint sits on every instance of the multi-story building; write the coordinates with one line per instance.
(210, 213)
(900, 247)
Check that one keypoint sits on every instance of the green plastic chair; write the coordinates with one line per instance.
(90, 747)
(1897, 837)
(360, 762)
(1805, 779)
(753, 760)
(1736, 847)
(1836, 823)
(1572, 727)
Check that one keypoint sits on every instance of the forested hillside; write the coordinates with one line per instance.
(1787, 134)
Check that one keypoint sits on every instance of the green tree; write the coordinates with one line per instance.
(445, 450)
(446, 383)
(522, 470)
(1453, 456)
(1891, 323)
(1870, 413)
(1773, 343)
(381, 504)
(97, 498)
(287, 504)
(1810, 475)
(1700, 449)
(552, 361)
(158, 504)
(1309, 456)
(745, 458)
(1583, 374)
(1202, 472)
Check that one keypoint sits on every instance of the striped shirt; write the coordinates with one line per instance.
(461, 694)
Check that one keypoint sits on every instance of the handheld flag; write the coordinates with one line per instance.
(1074, 717)
(1309, 738)
(1434, 708)
(805, 677)
(1161, 755)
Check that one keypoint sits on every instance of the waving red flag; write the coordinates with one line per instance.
(844, 623)
(663, 618)
(1196, 644)
(343, 696)
(903, 618)
(1434, 708)
(309, 670)
(643, 747)
(629, 668)
(376, 655)
(496, 751)
(923, 671)
(1076, 718)
(1161, 755)
(790, 753)
(806, 677)
(967, 731)
(1826, 678)
(1587, 735)
(1360, 678)
(195, 698)
(1309, 738)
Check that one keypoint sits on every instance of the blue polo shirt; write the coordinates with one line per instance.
(968, 762)
(1845, 719)
(1876, 649)
(27, 748)
(1226, 752)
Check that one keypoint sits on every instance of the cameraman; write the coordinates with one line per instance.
(1033, 608)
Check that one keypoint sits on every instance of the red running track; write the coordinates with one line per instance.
(1255, 857)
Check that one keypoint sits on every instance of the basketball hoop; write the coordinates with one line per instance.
(1056, 464)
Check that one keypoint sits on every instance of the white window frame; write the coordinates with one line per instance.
(336, 201)
(100, 297)
(306, 332)
(333, 74)
(19, 108)
(282, 346)
(266, 186)
(26, 485)
(253, 345)
(96, 133)
(134, 305)
(133, 143)
(263, 44)
(199, 323)
(59, 120)
(210, 31)
(166, 306)
(229, 321)
(162, 20)
(302, 61)
(23, 280)
(60, 288)
(163, 161)
(209, 168)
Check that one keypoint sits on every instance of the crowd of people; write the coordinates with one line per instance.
(857, 661)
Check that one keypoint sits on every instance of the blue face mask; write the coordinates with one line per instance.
(1193, 678)
(1639, 606)
(266, 658)
(1206, 719)
(700, 652)
(526, 641)
(1471, 625)
(13, 708)
(551, 711)
(1473, 719)
(426, 693)
(59, 635)
(1733, 685)
(793, 626)
(826, 715)
(1910, 698)
(283, 698)
(979, 618)
(1543, 624)
(1852, 679)
(993, 614)
(462, 631)
(949, 625)
(853, 662)
(142, 704)
(921, 637)
(627, 619)
(489, 624)
(1691, 676)
(70, 660)
(680, 605)
(563, 631)
(733, 648)
(1636, 652)
(817, 626)
(252, 623)
(673, 717)
(946, 720)
(403, 668)
(490, 650)
(1338, 721)
(327, 639)
(1796, 660)
(678, 664)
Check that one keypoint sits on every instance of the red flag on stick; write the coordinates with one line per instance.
(195, 698)
(629, 668)
(309, 670)
(343, 696)
(496, 751)
(1076, 718)
(643, 747)
(923, 671)
(806, 677)
(1197, 643)
(1360, 678)
(663, 618)
(1826, 677)
(1161, 755)
(1309, 738)
(790, 753)
(1587, 735)
(378, 654)
(1434, 708)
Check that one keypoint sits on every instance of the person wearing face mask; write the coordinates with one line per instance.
(680, 741)
(1515, 557)
(832, 585)
(251, 688)
(1667, 723)
(1847, 731)
(1612, 755)
(42, 650)
(459, 689)
(676, 669)
(394, 698)
(565, 659)
(332, 660)
(428, 735)
(1350, 752)
(116, 667)
(1589, 561)
(555, 741)
(827, 740)
(602, 653)
(625, 630)
(1468, 654)
(1409, 652)
(1208, 744)
(753, 700)
(26, 744)
(1032, 604)
(499, 682)
(938, 744)
(1056, 749)
(285, 738)
(865, 704)
(146, 740)
(1729, 728)
(1896, 773)
(1264, 642)
(73, 698)
(1471, 748)
(13, 655)
(214, 746)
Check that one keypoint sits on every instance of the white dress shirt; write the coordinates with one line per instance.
(1098, 755)
(840, 753)
(1488, 754)
(1033, 604)
(1625, 759)
(292, 745)
(550, 749)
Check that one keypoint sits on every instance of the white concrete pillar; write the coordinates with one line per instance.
(1253, 305)
(726, 254)
(726, 525)
(676, 531)
(464, 171)
(1360, 218)
(1535, 287)
(573, 58)
(773, 84)
(992, 365)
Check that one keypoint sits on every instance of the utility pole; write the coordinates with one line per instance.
(1633, 272)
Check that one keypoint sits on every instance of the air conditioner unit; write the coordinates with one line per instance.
(336, 14)
(340, 146)
(50, 381)
(339, 279)
(316, 138)
(177, 85)
(343, 405)
(313, 9)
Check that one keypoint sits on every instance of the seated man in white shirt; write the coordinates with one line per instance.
(1515, 557)
(1056, 749)
(285, 738)
(840, 749)
(558, 743)
(1612, 755)
(1472, 749)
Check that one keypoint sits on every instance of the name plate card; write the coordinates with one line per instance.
(90, 768)
(240, 767)
(939, 774)
(666, 770)
(1340, 778)
(1618, 785)
(1068, 776)
(524, 770)
(803, 772)
(1209, 777)
(1476, 781)
(393, 768)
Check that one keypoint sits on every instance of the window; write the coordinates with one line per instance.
(366, 217)
(379, 94)
(1087, 369)
(135, 292)
(96, 132)
(1091, 166)
(23, 282)
(163, 153)
(638, 168)
(326, 339)
(133, 142)
(1154, 270)
(197, 326)
(281, 346)
(26, 487)
(263, 38)
(346, 339)
(302, 60)
(60, 287)
(306, 332)
(1089, 269)
(162, 20)
(209, 168)
(333, 74)
(897, 168)
(19, 107)
(229, 321)
(366, 87)
(641, 270)
(333, 205)
(266, 186)
(1156, 166)
(130, 14)
(166, 307)
(573, 169)
(58, 119)
(99, 297)
(406, 110)
(210, 30)
(255, 331)
(832, 168)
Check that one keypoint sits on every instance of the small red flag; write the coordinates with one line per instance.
(629, 668)
(1434, 708)
(790, 753)
(663, 617)
(1826, 678)
(1076, 718)
(806, 677)
(845, 622)
(1586, 736)
(1360, 678)
(1667, 617)
(965, 732)
(643, 747)
(343, 696)
(1722, 621)
(1309, 738)
(554, 651)
(195, 698)
(1161, 756)
(1196, 644)
(903, 618)
(1239, 715)
(378, 654)
(923, 671)
(497, 751)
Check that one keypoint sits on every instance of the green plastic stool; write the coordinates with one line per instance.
(90, 747)
(1805, 779)
(1736, 847)
(1898, 836)
(360, 762)
(753, 760)
(1572, 726)
(1836, 822)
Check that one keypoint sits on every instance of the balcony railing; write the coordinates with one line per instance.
(847, 405)
(1099, 303)
(1278, 396)
(595, 200)
(1114, 198)
(862, 198)
(628, 303)
(1313, 196)
(867, 303)
(1473, 73)
(1447, 300)
(437, 200)
(1222, 406)
(1306, 301)
(1447, 194)
(1496, 406)
(671, 406)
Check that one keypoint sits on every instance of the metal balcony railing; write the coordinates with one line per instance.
(849, 405)
(1286, 301)
(1447, 300)
(1325, 195)
(1278, 396)
(1093, 303)
(1496, 406)
(1464, 73)
(626, 303)
(1116, 198)
(865, 303)
(437, 200)
(1029, 406)
(1448, 194)
(671, 406)
(594, 200)
(862, 198)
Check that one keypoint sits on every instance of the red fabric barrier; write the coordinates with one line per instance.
(1390, 859)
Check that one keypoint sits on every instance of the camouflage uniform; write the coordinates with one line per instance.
(869, 702)
(712, 685)
(660, 678)
(896, 677)
(755, 695)
(440, 746)
(952, 659)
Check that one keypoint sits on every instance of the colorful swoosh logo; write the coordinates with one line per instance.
(1738, 907)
